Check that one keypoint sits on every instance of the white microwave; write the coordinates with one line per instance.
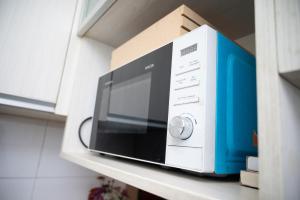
(190, 104)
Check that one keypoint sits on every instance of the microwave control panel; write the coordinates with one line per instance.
(190, 138)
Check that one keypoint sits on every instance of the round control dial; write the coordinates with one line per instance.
(181, 127)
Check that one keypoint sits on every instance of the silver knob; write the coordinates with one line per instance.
(181, 127)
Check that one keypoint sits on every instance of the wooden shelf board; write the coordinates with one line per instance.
(166, 183)
(126, 18)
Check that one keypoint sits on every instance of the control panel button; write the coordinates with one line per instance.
(182, 100)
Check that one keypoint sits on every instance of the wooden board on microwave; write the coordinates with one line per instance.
(177, 23)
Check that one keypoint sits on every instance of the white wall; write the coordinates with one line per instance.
(30, 166)
(93, 62)
(86, 60)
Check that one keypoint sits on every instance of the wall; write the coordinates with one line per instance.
(93, 62)
(86, 59)
(30, 166)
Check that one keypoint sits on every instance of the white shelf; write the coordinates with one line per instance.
(28, 110)
(166, 183)
(293, 77)
(115, 21)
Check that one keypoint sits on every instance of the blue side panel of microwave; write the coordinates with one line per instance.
(236, 107)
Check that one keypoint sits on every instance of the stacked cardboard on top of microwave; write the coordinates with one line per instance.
(249, 177)
(173, 25)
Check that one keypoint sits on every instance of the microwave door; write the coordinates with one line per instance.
(131, 111)
(125, 125)
(130, 125)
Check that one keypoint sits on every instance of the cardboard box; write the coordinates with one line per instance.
(177, 23)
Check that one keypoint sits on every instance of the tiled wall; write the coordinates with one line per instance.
(30, 166)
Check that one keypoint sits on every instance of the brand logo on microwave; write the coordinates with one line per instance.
(149, 66)
(108, 83)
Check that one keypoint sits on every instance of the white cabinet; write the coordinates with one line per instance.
(34, 39)
(288, 40)
(277, 51)
(91, 11)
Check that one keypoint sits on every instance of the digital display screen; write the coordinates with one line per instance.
(188, 50)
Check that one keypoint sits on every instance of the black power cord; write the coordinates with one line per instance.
(79, 130)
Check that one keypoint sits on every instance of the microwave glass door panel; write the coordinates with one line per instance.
(131, 111)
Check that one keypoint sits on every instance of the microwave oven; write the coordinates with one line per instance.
(190, 104)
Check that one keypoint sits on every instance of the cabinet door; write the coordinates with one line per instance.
(34, 37)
